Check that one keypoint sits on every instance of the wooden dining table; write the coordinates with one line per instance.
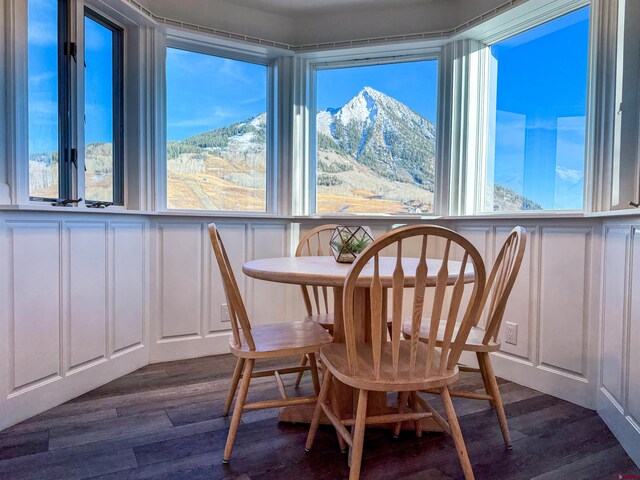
(324, 271)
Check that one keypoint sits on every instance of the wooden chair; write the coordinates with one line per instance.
(483, 340)
(261, 342)
(402, 365)
(311, 244)
(316, 242)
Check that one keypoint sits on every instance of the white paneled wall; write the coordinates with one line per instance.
(552, 304)
(74, 299)
(619, 392)
(89, 297)
(188, 294)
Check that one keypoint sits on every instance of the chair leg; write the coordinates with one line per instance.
(237, 410)
(415, 407)
(237, 372)
(485, 378)
(315, 421)
(335, 407)
(456, 433)
(497, 399)
(303, 363)
(402, 401)
(313, 364)
(358, 435)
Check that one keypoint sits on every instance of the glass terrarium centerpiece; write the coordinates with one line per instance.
(348, 242)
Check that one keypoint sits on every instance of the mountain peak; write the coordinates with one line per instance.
(373, 93)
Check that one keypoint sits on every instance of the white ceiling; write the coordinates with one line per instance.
(303, 8)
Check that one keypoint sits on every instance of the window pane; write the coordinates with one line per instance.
(216, 133)
(376, 138)
(537, 161)
(42, 34)
(99, 102)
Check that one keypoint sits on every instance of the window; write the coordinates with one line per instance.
(52, 55)
(376, 138)
(103, 110)
(216, 133)
(537, 131)
(47, 98)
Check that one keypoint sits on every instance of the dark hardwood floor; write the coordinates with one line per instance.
(163, 422)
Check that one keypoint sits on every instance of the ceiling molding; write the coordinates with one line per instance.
(430, 35)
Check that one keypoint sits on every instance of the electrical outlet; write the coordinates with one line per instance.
(512, 333)
(224, 313)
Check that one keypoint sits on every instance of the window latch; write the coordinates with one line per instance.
(71, 48)
(74, 157)
(65, 202)
(99, 204)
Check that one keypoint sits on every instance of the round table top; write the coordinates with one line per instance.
(326, 272)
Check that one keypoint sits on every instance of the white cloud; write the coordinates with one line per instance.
(569, 175)
(217, 115)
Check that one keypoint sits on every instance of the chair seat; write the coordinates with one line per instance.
(325, 320)
(473, 343)
(334, 357)
(282, 340)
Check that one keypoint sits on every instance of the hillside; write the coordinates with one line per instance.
(374, 155)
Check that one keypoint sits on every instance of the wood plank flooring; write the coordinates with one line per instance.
(163, 422)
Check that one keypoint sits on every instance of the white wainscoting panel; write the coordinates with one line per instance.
(86, 293)
(614, 307)
(64, 314)
(235, 241)
(35, 306)
(180, 249)
(128, 283)
(191, 324)
(633, 344)
(565, 260)
(521, 309)
(619, 393)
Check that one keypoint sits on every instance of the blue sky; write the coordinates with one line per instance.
(98, 82)
(413, 83)
(206, 92)
(541, 101)
(43, 71)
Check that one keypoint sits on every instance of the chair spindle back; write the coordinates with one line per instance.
(240, 325)
(501, 280)
(316, 243)
(412, 357)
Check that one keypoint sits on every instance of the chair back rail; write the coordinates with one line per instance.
(410, 354)
(240, 324)
(316, 243)
(501, 280)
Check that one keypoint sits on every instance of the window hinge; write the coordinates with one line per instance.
(71, 48)
(65, 202)
(74, 157)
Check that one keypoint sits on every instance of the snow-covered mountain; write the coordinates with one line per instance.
(372, 149)
(383, 134)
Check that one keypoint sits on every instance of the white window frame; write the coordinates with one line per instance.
(233, 51)
(135, 59)
(466, 201)
(388, 54)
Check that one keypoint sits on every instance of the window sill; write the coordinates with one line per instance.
(31, 207)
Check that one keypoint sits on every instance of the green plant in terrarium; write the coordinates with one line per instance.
(348, 242)
(355, 245)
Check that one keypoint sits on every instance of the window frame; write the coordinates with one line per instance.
(495, 30)
(367, 57)
(64, 84)
(118, 59)
(231, 51)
